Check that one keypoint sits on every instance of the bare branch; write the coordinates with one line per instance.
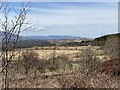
(12, 29)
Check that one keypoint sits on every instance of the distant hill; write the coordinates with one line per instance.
(2, 34)
(30, 41)
(46, 37)
(99, 41)
(102, 38)
(50, 37)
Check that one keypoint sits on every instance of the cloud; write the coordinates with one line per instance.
(36, 27)
(72, 13)
(75, 15)
(82, 30)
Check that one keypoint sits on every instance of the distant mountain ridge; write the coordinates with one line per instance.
(2, 34)
(50, 37)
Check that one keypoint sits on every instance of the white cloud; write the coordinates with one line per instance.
(74, 16)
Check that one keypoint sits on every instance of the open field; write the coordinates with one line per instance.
(71, 52)
(47, 77)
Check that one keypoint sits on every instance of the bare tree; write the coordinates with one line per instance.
(11, 30)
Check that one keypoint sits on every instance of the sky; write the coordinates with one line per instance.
(62, 0)
(83, 19)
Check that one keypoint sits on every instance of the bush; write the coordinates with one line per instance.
(91, 80)
(29, 60)
(42, 65)
(61, 62)
(88, 61)
(112, 46)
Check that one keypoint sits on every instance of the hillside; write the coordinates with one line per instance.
(51, 37)
(100, 41)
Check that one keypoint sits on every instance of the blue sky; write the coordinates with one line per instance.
(84, 19)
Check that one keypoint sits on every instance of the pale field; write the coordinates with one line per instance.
(48, 52)
(69, 51)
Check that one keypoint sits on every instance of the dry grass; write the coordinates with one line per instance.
(70, 51)
(62, 75)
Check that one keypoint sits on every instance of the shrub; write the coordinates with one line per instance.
(112, 46)
(91, 80)
(88, 61)
(42, 65)
(61, 62)
(110, 67)
(29, 59)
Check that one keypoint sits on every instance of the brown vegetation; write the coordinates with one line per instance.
(112, 46)
(88, 61)
(110, 67)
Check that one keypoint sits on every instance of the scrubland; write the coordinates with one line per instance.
(65, 67)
